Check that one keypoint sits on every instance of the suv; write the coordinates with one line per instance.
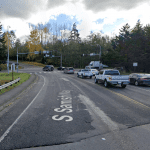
(48, 68)
(69, 70)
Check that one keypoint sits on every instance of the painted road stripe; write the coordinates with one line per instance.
(65, 79)
(15, 122)
(92, 108)
(123, 96)
(130, 99)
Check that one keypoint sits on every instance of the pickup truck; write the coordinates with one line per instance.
(84, 73)
(113, 77)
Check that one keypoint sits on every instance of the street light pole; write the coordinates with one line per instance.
(99, 51)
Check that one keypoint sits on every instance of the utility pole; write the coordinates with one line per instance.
(17, 59)
(8, 51)
(61, 60)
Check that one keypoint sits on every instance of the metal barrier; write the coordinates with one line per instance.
(9, 84)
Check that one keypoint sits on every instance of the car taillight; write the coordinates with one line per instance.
(73, 70)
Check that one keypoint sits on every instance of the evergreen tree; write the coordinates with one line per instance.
(2, 47)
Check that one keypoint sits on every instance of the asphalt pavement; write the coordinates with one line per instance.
(62, 112)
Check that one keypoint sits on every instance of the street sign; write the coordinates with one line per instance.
(135, 64)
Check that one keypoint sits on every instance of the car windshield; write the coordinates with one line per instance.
(111, 73)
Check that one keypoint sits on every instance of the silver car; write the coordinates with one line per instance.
(69, 70)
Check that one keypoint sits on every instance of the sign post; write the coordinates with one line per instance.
(135, 64)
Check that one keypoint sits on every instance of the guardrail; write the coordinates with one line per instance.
(9, 84)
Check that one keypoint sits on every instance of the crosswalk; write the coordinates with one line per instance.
(42, 72)
(39, 72)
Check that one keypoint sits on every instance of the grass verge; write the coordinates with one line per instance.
(4, 77)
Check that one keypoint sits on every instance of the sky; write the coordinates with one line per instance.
(105, 16)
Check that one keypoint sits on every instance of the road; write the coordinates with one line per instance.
(65, 112)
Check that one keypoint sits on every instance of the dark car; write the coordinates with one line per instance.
(139, 79)
(48, 68)
(60, 68)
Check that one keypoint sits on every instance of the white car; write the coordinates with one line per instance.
(94, 71)
(84, 73)
(113, 77)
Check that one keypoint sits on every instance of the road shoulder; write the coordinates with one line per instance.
(8, 97)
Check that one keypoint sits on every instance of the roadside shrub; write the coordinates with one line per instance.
(3, 66)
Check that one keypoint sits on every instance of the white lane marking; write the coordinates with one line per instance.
(8, 130)
(65, 105)
(39, 72)
(97, 111)
(30, 73)
(45, 72)
(65, 79)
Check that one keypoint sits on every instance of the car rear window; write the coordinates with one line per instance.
(70, 68)
(85, 70)
(111, 73)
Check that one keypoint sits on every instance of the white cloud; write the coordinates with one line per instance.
(42, 10)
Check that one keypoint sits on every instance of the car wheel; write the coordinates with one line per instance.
(105, 83)
(82, 76)
(136, 83)
(90, 77)
(77, 75)
(96, 80)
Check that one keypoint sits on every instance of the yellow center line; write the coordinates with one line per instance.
(125, 97)
(130, 99)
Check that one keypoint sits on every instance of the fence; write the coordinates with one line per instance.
(9, 84)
